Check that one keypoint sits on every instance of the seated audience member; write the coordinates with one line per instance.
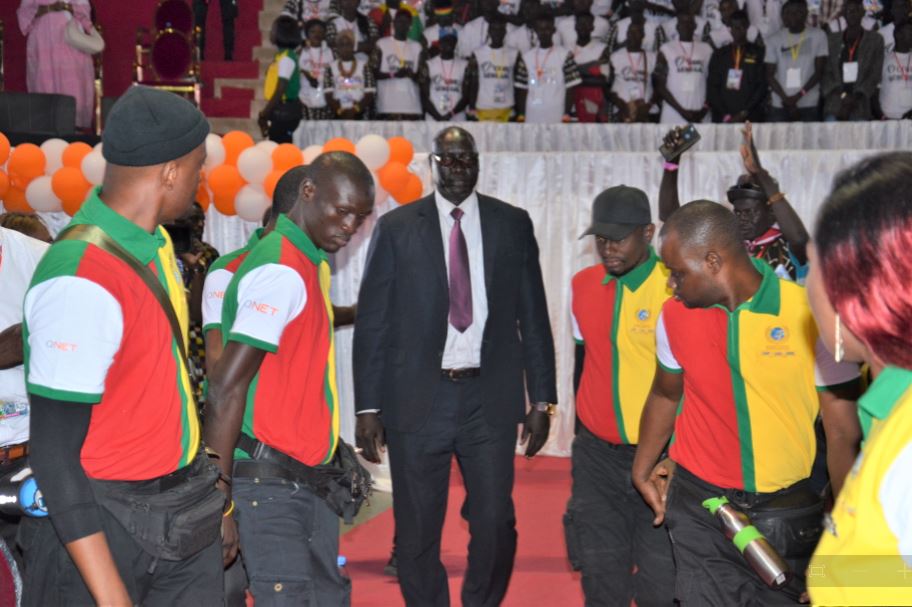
(681, 70)
(900, 11)
(895, 99)
(853, 68)
(737, 89)
(444, 87)
(720, 33)
(768, 224)
(363, 30)
(385, 15)
(632, 72)
(395, 64)
(490, 75)
(545, 77)
(860, 249)
(26, 223)
(617, 38)
(670, 27)
(795, 62)
(305, 10)
(594, 62)
(566, 26)
(349, 83)
(767, 15)
(443, 25)
(282, 114)
(315, 59)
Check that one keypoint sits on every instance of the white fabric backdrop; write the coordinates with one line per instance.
(557, 190)
(495, 137)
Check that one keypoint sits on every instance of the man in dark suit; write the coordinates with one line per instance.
(451, 320)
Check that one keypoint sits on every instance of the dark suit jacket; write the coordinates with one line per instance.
(403, 308)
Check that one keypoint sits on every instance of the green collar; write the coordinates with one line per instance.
(766, 299)
(299, 239)
(638, 275)
(139, 243)
(886, 390)
(255, 237)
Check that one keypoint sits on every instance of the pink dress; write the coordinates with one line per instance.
(53, 66)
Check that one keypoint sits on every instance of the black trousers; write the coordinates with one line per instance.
(51, 577)
(710, 570)
(609, 530)
(229, 12)
(420, 464)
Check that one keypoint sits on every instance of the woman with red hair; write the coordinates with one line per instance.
(860, 290)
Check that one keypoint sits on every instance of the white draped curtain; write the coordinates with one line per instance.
(557, 191)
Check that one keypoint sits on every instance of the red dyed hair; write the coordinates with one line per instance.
(864, 240)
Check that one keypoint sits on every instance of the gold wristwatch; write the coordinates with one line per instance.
(549, 408)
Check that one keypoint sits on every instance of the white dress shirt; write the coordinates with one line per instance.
(463, 350)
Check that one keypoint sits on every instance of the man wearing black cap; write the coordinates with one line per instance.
(134, 512)
(614, 310)
(770, 227)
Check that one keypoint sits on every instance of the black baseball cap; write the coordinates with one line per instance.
(618, 211)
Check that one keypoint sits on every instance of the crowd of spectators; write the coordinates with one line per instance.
(600, 61)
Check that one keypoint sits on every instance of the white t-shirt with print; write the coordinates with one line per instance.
(546, 85)
(495, 77)
(398, 95)
(349, 88)
(19, 256)
(446, 78)
(632, 74)
(314, 61)
(688, 69)
(896, 85)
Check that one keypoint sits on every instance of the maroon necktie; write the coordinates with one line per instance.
(460, 279)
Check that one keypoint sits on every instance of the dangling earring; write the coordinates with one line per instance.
(840, 350)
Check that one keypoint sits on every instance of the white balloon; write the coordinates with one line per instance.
(373, 150)
(40, 195)
(53, 154)
(93, 167)
(254, 164)
(98, 147)
(251, 203)
(311, 152)
(215, 151)
(267, 146)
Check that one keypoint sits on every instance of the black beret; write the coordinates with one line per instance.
(148, 126)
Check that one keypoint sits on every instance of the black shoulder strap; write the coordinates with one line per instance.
(96, 236)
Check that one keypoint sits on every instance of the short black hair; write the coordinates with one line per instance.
(740, 15)
(498, 18)
(287, 190)
(585, 15)
(794, 3)
(288, 33)
(329, 165)
(704, 223)
(312, 23)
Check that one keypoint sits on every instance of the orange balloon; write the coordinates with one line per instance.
(401, 150)
(271, 181)
(411, 192)
(202, 195)
(70, 186)
(4, 148)
(74, 153)
(72, 207)
(286, 156)
(225, 181)
(235, 142)
(4, 184)
(25, 163)
(339, 144)
(14, 201)
(393, 177)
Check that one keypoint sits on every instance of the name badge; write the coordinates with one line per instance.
(734, 80)
(634, 92)
(850, 72)
(793, 78)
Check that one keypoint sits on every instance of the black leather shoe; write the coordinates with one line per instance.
(392, 566)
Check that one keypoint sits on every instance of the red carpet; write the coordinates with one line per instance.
(541, 576)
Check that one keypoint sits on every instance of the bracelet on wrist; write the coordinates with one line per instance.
(777, 197)
(670, 166)
(229, 511)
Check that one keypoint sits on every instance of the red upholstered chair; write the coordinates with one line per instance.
(167, 58)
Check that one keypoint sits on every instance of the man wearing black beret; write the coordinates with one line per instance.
(134, 513)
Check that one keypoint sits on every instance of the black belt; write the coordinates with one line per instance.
(255, 469)
(457, 374)
(163, 483)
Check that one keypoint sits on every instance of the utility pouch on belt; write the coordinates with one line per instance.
(172, 517)
(792, 521)
(344, 484)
